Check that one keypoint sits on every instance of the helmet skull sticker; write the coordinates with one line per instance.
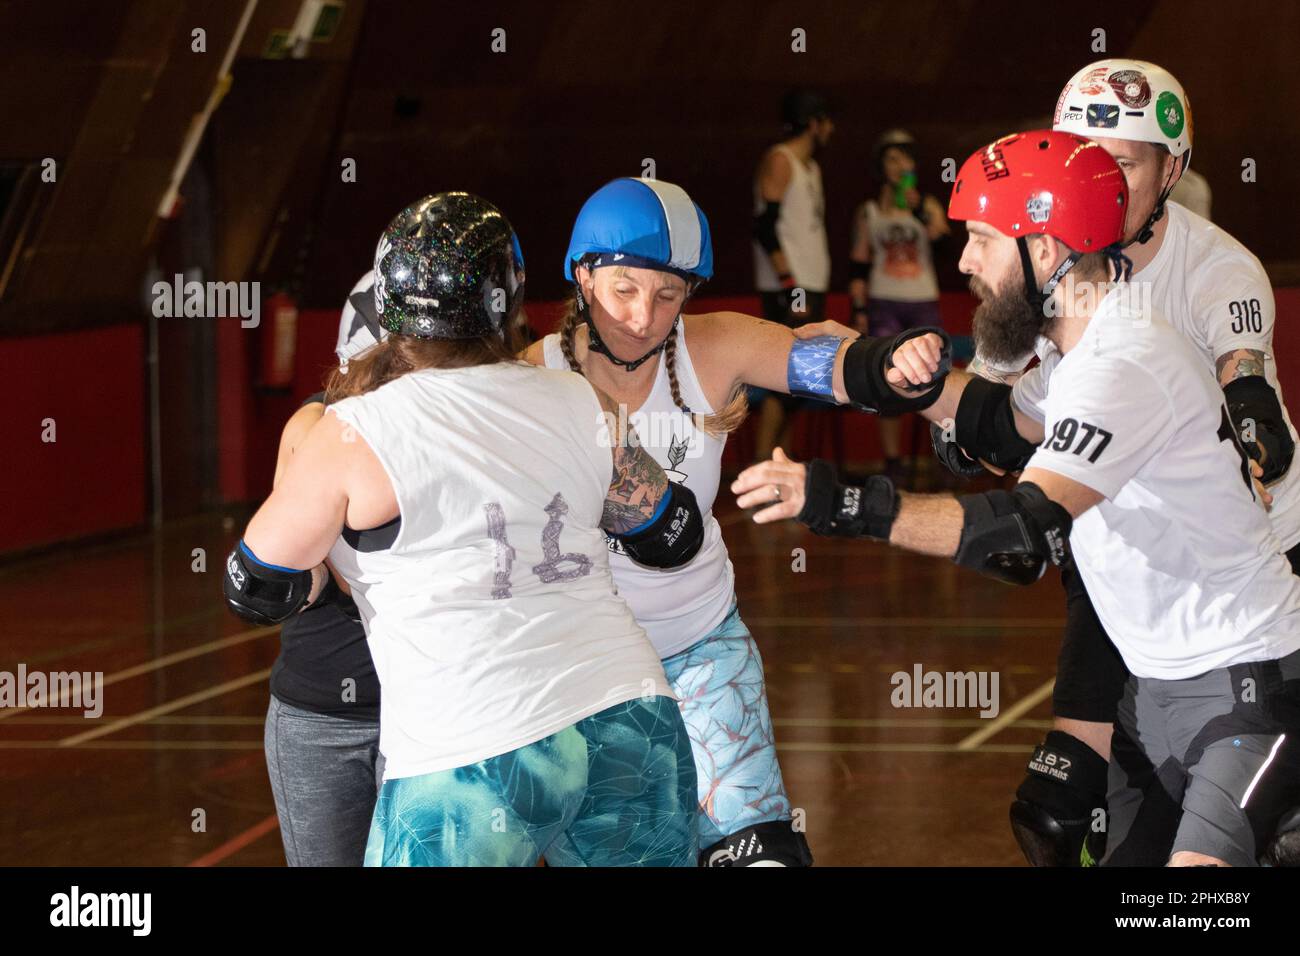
(1039, 207)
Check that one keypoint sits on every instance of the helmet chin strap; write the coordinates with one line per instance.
(1038, 297)
(596, 344)
(1147, 231)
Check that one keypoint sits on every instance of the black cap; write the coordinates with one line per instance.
(800, 107)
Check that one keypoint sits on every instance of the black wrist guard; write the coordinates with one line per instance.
(847, 511)
(867, 360)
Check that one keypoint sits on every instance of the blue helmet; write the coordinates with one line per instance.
(643, 223)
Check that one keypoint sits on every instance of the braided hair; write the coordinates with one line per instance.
(716, 424)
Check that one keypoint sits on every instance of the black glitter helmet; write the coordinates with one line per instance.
(448, 267)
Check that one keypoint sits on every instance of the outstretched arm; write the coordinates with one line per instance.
(1011, 536)
(740, 349)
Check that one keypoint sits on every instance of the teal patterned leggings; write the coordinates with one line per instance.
(615, 789)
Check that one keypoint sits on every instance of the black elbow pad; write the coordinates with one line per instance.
(765, 227)
(986, 426)
(1257, 415)
(673, 538)
(867, 360)
(263, 593)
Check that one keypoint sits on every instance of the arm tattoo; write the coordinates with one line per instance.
(978, 366)
(635, 488)
(1239, 363)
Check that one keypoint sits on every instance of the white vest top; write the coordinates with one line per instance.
(801, 227)
(676, 607)
(491, 616)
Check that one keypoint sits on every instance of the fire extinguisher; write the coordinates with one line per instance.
(279, 342)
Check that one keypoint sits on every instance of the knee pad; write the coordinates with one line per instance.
(1284, 848)
(773, 843)
(1054, 816)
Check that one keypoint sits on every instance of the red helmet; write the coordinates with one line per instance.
(1057, 184)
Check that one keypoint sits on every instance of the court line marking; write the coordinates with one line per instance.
(920, 722)
(796, 746)
(135, 745)
(238, 842)
(178, 704)
(158, 663)
(215, 720)
(962, 623)
(816, 747)
(1008, 716)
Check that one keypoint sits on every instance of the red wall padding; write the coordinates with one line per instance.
(813, 433)
(93, 477)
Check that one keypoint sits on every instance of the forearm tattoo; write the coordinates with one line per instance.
(1240, 363)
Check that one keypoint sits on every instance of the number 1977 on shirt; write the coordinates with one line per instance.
(1067, 430)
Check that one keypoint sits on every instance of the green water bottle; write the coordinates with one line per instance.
(905, 182)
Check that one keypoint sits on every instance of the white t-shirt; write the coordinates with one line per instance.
(902, 269)
(1180, 561)
(1210, 287)
(492, 617)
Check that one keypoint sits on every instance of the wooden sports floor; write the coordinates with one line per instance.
(179, 743)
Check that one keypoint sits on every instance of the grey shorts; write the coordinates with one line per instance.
(1207, 764)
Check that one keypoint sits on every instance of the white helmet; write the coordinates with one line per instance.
(1127, 99)
(358, 328)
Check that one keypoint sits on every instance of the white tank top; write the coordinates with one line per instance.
(492, 616)
(901, 266)
(676, 607)
(801, 227)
